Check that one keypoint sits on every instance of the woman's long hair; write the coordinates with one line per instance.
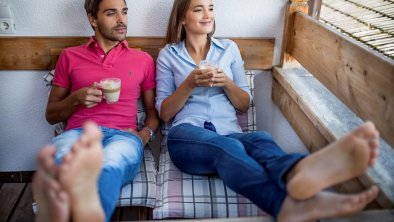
(175, 30)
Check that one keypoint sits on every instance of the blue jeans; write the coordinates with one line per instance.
(123, 153)
(249, 163)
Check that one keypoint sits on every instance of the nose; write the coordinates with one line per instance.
(122, 18)
(208, 13)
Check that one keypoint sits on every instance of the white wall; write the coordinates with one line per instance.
(23, 129)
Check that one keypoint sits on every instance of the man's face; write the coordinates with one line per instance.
(111, 21)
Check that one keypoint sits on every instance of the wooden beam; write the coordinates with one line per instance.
(360, 77)
(308, 133)
(292, 7)
(34, 53)
(9, 195)
(331, 119)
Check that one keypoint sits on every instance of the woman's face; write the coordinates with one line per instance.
(199, 18)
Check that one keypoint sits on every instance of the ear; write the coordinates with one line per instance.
(92, 21)
(183, 22)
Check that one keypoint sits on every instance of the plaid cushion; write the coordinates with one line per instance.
(181, 195)
(142, 191)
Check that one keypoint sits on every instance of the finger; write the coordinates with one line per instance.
(95, 92)
(93, 98)
(91, 106)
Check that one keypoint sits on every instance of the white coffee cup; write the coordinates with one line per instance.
(206, 64)
(111, 89)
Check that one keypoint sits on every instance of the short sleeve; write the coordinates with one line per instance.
(150, 74)
(62, 77)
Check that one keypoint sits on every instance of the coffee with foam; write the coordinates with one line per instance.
(111, 89)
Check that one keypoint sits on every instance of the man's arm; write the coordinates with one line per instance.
(62, 104)
(152, 119)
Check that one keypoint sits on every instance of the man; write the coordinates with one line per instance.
(76, 97)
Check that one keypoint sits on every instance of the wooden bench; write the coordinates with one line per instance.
(41, 53)
(361, 82)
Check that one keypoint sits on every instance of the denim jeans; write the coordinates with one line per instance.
(249, 163)
(123, 153)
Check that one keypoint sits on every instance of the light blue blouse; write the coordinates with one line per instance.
(211, 104)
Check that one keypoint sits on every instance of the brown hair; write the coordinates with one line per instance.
(92, 7)
(175, 30)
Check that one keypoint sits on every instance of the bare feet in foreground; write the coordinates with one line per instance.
(79, 174)
(343, 159)
(52, 200)
(325, 205)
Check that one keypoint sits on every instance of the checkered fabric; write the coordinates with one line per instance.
(142, 191)
(181, 195)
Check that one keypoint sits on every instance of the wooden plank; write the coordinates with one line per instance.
(292, 7)
(34, 53)
(360, 77)
(9, 195)
(333, 120)
(133, 213)
(24, 210)
(367, 216)
(308, 133)
(16, 177)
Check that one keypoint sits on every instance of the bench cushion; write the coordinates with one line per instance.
(181, 195)
(142, 191)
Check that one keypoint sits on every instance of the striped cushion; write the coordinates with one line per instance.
(142, 191)
(181, 195)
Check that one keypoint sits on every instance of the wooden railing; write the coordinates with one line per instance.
(362, 79)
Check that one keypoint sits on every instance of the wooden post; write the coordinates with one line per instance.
(314, 8)
(286, 61)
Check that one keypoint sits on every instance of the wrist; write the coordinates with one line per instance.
(150, 133)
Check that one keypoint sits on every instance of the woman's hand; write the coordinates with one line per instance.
(220, 79)
(201, 77)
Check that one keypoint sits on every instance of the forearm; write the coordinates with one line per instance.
(174, 103)
(238, 97)
(61, 110)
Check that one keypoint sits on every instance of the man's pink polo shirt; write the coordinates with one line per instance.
(81, 66)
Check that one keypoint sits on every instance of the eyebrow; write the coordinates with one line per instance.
(202, 6)
(114, 10)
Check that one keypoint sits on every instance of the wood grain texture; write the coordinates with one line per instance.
(34, 53)
(359, 77)
(332, 120)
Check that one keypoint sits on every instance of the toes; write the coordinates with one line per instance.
(92, 132)
(67, 158)
(45, 159)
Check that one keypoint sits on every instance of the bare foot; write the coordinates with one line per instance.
(325, 205)
(344, 159)
(52, 200)
(79, 174)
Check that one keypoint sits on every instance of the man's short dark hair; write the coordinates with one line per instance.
(92, 7)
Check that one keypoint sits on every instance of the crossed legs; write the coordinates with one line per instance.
(344, 159)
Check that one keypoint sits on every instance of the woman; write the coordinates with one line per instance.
(205, 137)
